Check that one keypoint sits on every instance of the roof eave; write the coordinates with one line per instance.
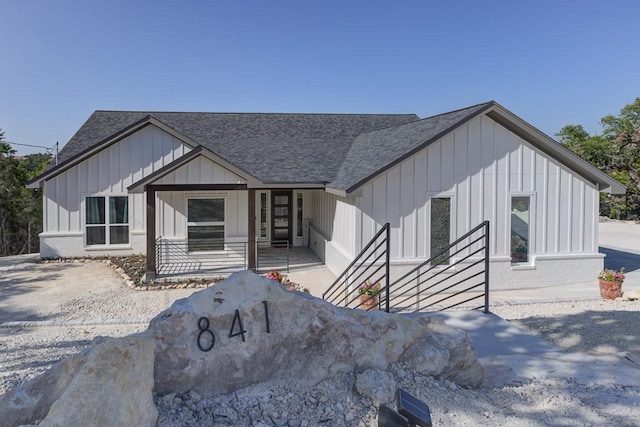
(110, 140)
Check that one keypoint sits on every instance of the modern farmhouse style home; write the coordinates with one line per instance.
(182, 186)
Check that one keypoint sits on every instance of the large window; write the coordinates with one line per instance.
(263, 216)
(440, 229)
(520, 226)
(205, 225)
(107, 220)
(299, 204)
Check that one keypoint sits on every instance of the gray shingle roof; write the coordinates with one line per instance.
(375, 151)
(275, 148)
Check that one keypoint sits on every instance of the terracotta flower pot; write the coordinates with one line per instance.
(610, 289)
(369, 302)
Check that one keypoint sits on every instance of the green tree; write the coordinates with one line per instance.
(20, 207)
(615, 151)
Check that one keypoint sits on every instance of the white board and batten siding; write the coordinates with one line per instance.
(480, 166)
(172, 205)
(109, 173)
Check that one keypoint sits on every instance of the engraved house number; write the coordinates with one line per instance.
(206, 339)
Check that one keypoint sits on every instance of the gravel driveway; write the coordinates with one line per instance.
(72, 320)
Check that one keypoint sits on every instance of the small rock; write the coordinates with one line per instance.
(376, 385)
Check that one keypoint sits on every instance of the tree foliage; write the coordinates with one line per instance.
(20, 207)
(615, 151)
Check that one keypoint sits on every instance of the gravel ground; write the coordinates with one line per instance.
(583, 326)
(591, 326)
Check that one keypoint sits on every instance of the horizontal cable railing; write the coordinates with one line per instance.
(199, 256)
(457, 275)
(210, 256)
(272, 255)
(371, 267)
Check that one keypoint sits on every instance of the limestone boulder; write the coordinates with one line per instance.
(248, 329)
(109, 384)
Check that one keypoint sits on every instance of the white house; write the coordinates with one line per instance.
(215, 182)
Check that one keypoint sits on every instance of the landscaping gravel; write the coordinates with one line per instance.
(581, 326)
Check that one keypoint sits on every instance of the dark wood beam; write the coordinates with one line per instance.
(251, 215)
(195, 187)
(150, 273)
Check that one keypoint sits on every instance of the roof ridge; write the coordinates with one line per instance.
(150, 112)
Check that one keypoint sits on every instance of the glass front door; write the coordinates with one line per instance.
(281, 216)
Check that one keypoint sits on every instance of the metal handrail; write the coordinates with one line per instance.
(403, 294)
(363, 265)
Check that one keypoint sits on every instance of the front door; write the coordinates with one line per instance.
(281, 216)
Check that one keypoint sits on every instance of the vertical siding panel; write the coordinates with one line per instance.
(168, 146)
(489, 164)
(137, 212)
(501, 192)
(72, 199)
(126, 171)
(208, 172)
(553, 210)
(434, 167)
(243, 204)
(114, 169)
(461, 185)
(63, 212)
(420, 190)
(587, 230)
(564, 212)
(103, 171)
(513, 160)
(407, 203)
(447, 167)
(135, 159)
(577, 217)
(527, 167)
(83, 188)
(379, 201)
(93, 172)
(476, 172)
(367, 223)
(540, 188)
(51, 207)
(393, 210)
(146, 142)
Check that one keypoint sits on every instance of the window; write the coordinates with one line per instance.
(104, 228)
(263, 216)
(440, 228)
(299, 214)
(205, 225)
(520, 225)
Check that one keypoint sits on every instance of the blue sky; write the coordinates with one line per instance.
(550, 62)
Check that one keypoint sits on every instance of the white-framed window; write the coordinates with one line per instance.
(299, 214)
(263, 228)
(520, 236)
(106, 220)
(440, 225)
(205, 224)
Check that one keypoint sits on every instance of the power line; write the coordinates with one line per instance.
(29, 145)
(53, 149)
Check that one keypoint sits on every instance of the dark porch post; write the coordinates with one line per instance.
(251, 215)
(150, 274)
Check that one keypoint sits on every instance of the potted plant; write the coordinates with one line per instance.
(369, 299)
(611, 283)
